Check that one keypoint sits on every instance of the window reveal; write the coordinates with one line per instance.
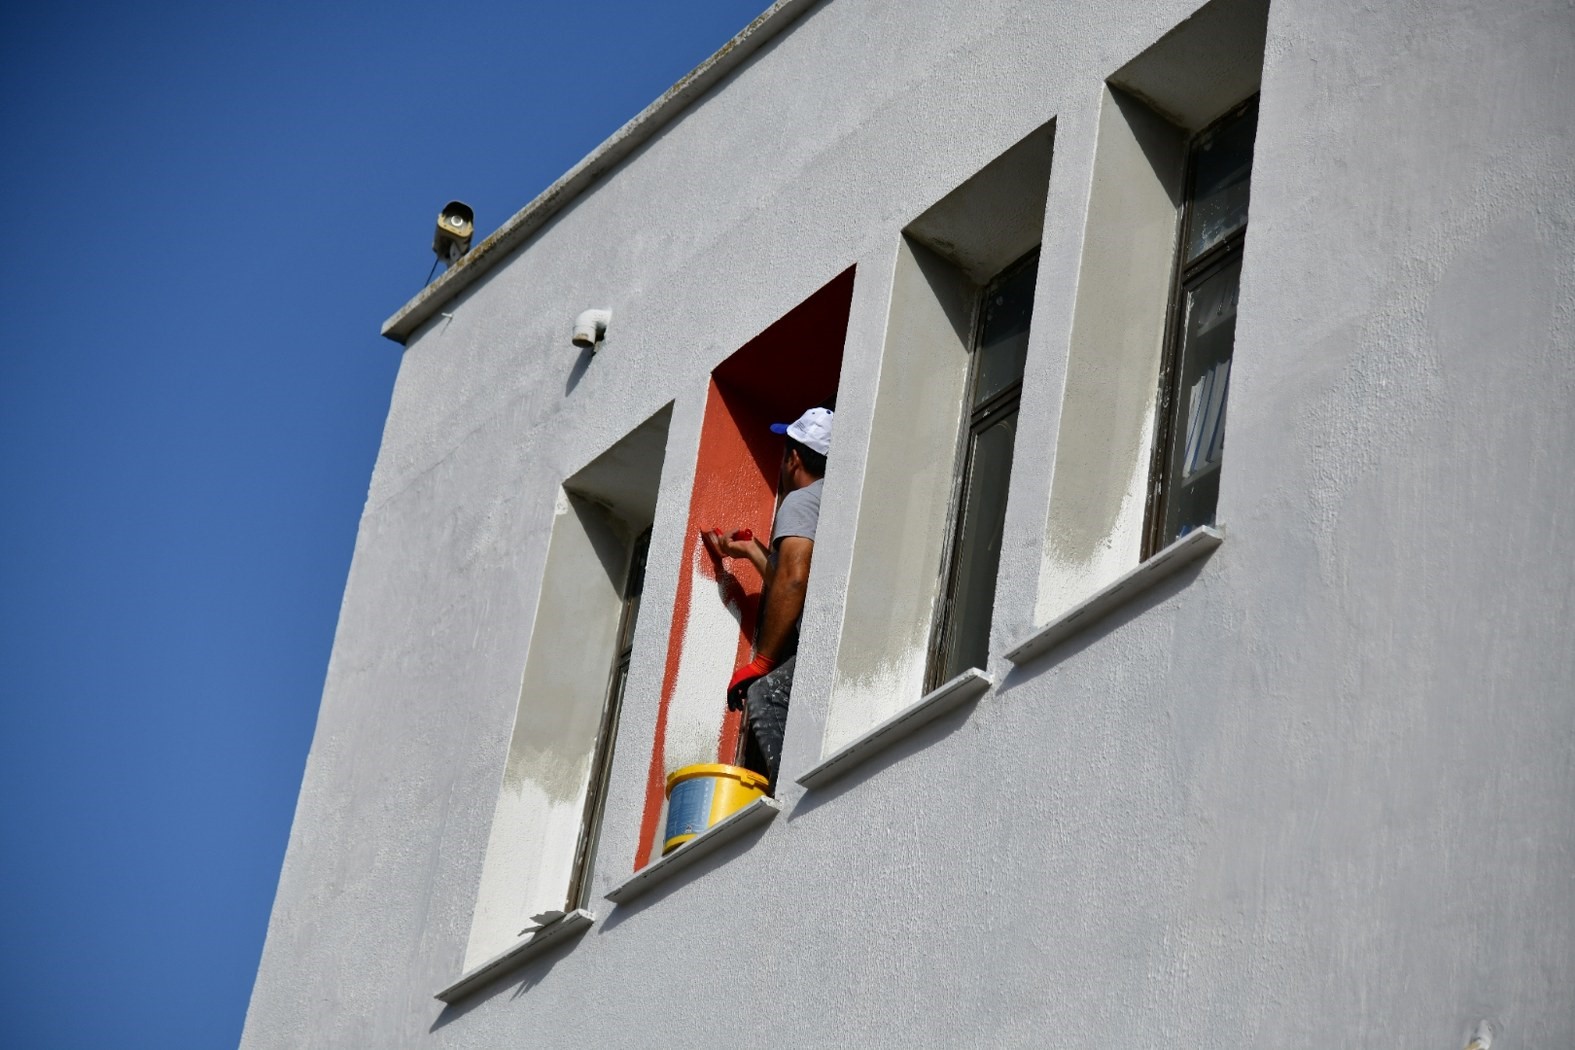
(962, 632)
(601, 762)
(1195, 382)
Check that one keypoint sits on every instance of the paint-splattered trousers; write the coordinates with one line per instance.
(767, 704)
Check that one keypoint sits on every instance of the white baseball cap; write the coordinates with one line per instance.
(812, 430)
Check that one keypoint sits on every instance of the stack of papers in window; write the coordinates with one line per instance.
(1206, 420)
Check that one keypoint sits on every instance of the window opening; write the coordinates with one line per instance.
(1195, 379)
(1000, 348)
(601, 763)
(793, 364)
(541, 849)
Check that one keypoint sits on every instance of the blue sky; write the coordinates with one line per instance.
(211, 210)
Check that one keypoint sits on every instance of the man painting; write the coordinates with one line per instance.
(763, 685)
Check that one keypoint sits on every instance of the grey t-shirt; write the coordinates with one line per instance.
(797, 516)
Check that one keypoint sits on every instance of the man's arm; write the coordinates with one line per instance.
(785, 600)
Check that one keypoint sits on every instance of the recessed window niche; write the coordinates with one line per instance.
(898, 582)
(542, 844)
(1102, 482)
(793, 365)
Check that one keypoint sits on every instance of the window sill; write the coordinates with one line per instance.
(1194, 546)
(722, 832)
(574, 922)
(970, 685)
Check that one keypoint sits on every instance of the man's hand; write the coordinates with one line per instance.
(736, 544)
(740, 543)
(745, 677)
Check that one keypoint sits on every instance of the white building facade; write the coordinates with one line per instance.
(1119, 720)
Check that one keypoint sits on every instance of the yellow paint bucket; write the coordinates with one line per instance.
(699, 796)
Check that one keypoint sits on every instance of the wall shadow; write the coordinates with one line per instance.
(577, 371)
(722, 855)
(926, 736)
(1098, 630)
(523, 978)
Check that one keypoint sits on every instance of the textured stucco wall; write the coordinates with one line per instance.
(888, 613)
(1105, 441)
(1319, 792)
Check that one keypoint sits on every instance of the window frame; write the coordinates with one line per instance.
(1187, 276)
(584, 863)
(1004, 403)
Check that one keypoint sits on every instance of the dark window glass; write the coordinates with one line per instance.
(962, 638)
(1208, 333)
(596, 794)
(979, 543)
(1196, 383)
(1222, 173)
(1003, 335)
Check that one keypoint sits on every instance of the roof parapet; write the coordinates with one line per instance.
(525, 222)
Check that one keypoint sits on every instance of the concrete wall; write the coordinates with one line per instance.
(1319, 791)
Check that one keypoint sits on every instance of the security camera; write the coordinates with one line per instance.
(590, 327)
(456, 225)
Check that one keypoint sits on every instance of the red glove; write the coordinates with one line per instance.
(745, 677)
